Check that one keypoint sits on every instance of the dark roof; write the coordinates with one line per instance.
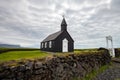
(52, 36)
(63, 22)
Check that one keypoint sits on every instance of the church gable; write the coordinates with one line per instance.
(70, 38)
(66, 35)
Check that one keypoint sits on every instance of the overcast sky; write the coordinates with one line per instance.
(28, 22)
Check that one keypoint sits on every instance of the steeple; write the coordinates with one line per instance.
(63, 25)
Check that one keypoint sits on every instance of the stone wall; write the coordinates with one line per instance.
(56, 68)
(117, 52)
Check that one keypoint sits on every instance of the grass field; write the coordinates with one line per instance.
(17, 55)
(28, 53)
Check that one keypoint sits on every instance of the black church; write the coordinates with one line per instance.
(60, 41)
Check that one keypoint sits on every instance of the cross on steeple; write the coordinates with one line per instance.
(63, 16)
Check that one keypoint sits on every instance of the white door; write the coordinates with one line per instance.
(65, 45)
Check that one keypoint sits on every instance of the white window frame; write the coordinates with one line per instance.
(42, 45)
(45, 44)
(50, 44)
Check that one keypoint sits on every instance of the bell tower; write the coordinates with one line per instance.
(63, 25)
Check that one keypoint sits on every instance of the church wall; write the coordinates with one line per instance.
(58, 45)
(52, 49)
(71, 46)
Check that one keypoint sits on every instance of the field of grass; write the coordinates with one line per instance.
(29, 53)
(18, 55)
(86, 50)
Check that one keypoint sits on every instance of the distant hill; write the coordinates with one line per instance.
(9, 46)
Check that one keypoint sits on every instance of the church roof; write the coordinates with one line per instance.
(52, 36)
(63, 22)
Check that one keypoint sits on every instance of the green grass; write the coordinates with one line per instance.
(85, 50)
(94, 73)
(32, 53)
(17, 55)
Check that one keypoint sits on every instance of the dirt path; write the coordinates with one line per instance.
(112, 73)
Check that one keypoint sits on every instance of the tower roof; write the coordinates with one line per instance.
(63, 22)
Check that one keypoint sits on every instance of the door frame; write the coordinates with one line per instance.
(64, 45)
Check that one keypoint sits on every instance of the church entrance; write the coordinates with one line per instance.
(65, 45)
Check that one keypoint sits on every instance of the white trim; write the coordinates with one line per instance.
(45, 44)
(42, 45)
(50, 44)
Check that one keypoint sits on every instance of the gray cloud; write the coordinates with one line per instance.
(28, 22)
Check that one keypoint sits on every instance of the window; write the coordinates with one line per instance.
(45, 44)
(50, 44)
(42, 45)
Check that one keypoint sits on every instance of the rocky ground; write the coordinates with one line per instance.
(112, 73)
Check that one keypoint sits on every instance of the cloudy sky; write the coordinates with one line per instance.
(28, 22)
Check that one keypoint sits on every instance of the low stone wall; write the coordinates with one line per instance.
(56, 68)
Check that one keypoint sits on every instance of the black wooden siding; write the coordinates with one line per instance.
(57, 43)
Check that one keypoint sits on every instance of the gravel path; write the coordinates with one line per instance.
(113, 73)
